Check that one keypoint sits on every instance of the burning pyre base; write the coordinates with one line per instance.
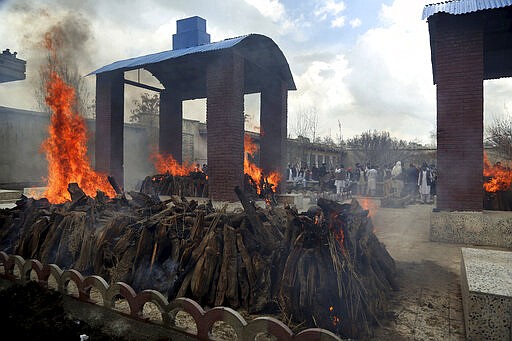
(321, 268)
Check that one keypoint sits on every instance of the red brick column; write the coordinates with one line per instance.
(171, 124)
(459, 77)
(225, 124)
(273, 121)
(109, 124)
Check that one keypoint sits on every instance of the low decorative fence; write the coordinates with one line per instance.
(19, 270)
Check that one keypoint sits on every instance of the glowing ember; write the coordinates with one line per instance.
(254, 171)
(66, 146)
(168, 164)
(335, 319)
(501, 176)
(369, 205)
(336, 226)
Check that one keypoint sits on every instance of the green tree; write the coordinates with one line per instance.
(146, 110)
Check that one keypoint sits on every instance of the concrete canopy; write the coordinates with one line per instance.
(469, 44)
(221, 72)
(496, 26)
(185, 69)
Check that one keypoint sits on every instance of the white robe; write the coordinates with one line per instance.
(372, 179)
(422, 182)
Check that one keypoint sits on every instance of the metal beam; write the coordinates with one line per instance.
(144, 86)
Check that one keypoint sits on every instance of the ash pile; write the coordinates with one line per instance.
(320, 268)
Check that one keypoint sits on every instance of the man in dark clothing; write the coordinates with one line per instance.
(433, 181)
(314, 173)
(412, 180)
(322, 170)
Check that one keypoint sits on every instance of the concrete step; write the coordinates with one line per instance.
(8, 194)
(486, 287)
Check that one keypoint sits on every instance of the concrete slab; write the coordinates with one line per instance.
(290, 199)
(486, 285)
(4, 205)
(34, 192)
(8, 194)
(486, 228)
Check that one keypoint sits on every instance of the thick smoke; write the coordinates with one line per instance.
(63, 20)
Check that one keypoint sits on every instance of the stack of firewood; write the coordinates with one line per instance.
(324, 267)
(193, 185)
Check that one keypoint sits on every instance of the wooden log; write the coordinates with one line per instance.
(222, 282)
(246, 259)
(250, 210)
(230, 254)
(394, 202)
(215, 282)
(202, 274)
(30, 242)
(115, 185)
(243, 282)
(261, 291)
(184, 286)
(75, 192)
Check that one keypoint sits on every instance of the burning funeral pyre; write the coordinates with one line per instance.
(324, 267)
(66, 145)
(187, 180)
(497, 183)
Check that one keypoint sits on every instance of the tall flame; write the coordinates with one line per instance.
(168, 164)
(66, 146)
(501, 176)
(256, 173)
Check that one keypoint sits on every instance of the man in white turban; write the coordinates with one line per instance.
(398, 179)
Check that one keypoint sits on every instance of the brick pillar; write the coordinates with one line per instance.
(171, 125)
(273, 121)
(225, 124)
(110, 124)
(459, 77)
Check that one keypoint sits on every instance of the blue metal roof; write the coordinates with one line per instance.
(137, 62)
(463, 6)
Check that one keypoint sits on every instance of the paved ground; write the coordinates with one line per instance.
(428, 305)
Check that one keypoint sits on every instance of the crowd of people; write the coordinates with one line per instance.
(371, 180)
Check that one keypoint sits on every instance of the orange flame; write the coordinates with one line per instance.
(501, 176)
(168, 164)
(369, 205)
(66, 146)
(340, 236)
(256, 173)
(336, 226)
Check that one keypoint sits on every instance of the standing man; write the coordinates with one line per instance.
(398, 180)
(361, 184)
(322, 170)
(412, 180)
(371, 175)
(339, 180)
(424, 183)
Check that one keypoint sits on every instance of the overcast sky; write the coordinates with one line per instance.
(363, 63)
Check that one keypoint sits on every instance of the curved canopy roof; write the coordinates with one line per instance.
(492, 17)
(463, 6)
(264, 57)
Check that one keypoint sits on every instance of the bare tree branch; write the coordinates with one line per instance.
(500, 137)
